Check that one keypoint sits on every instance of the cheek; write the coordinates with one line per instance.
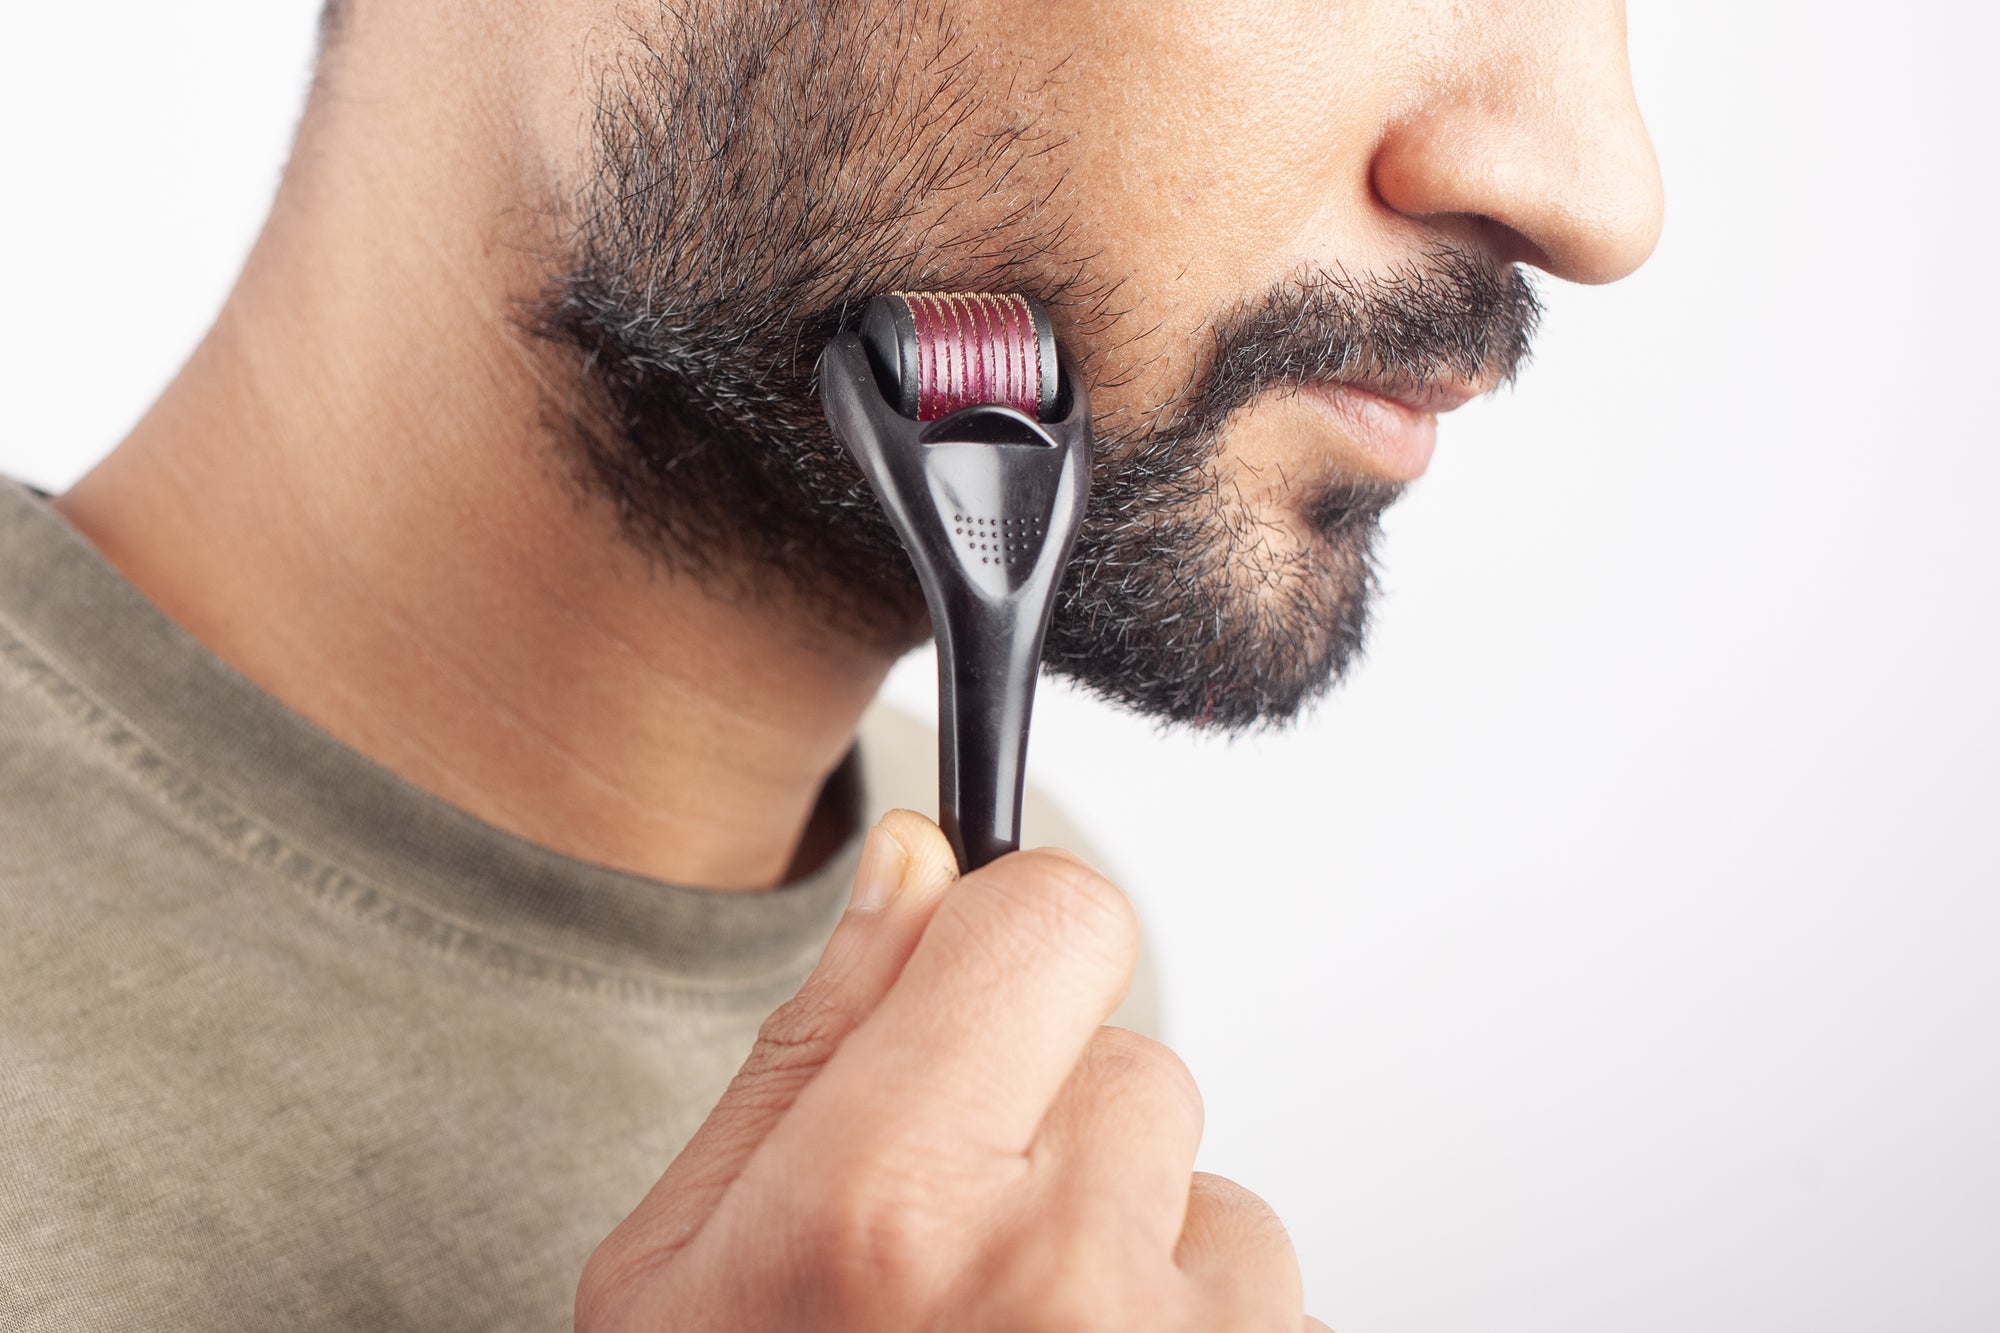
(1206, 141)
(1205, 135)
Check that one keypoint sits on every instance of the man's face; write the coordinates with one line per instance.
(1278, 234)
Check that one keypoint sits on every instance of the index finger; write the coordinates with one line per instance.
(1018, 968)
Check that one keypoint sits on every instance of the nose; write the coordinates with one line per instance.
(1534, 136)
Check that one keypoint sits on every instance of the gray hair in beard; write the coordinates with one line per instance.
(761, 170)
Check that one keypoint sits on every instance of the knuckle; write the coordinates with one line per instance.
(1064, 903)
(607, 1284)
(1077, 1302)
(1051, 1286)
(1226, 1197)
(593, 1292)
(799, 1037)
(1147, 1067)
(869, 1242)
(1243, 1217)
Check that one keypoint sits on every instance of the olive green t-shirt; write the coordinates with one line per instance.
(287, 1043)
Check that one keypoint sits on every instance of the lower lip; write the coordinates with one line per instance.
(1395, 442)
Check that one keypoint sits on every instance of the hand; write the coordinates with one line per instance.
(938, 1133)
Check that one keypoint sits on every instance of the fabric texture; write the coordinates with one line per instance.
(288, 1043)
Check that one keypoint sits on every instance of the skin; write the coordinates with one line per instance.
(1004, 1161)
(350, 495)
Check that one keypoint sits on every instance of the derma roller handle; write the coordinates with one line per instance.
(988, 501)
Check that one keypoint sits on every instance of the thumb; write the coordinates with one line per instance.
(906, 866)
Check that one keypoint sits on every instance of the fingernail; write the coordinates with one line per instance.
(883, 861)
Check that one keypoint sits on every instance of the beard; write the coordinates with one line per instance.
(761, 170)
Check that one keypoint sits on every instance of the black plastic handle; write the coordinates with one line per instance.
(988, 503)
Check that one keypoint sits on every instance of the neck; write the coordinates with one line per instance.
(349, 494)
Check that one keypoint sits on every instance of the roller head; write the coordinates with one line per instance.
(937, 352)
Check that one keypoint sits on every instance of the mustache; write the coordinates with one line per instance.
(1450, 315)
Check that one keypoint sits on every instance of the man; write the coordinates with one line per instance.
(428, 735)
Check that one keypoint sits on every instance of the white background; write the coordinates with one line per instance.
(1617, 951)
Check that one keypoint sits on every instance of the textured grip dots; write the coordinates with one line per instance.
(998, 541)
(974, 432)
(943, 351)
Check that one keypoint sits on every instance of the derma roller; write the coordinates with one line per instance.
(974, 430)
